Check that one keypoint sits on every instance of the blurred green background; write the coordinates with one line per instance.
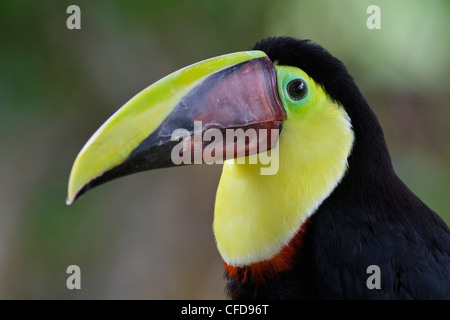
(149, 236)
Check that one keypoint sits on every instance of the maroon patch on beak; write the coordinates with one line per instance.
(242, 103)
(247, 94)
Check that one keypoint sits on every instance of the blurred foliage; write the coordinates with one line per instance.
(149, 236)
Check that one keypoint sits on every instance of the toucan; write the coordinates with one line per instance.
(332, 220)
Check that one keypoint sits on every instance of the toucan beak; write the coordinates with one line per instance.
(233, 91)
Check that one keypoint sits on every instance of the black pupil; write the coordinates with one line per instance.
(297, 89)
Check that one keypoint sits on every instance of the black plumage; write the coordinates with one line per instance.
(371, 218)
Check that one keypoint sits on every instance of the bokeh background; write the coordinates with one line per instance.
(149, 236)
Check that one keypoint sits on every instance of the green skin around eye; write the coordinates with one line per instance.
(285, 74)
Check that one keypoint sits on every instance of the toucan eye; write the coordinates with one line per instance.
(297, 89)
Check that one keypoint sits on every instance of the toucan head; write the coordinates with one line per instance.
(286, 100)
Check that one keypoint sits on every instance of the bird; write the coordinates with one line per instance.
(330, 220)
